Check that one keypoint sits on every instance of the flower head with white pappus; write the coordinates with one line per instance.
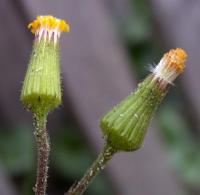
(170, 66)
(125, 126)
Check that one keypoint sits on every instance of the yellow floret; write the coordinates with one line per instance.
(49, 23)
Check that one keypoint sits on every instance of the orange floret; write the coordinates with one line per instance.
(176, 59)
(171, 65)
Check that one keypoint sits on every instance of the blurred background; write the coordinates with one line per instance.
(107, 52)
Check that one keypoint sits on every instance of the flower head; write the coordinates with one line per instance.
(125, 126)
(170, 66)
(41, 91)
(48, 27)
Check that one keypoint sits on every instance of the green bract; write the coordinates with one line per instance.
(125, 126)
(41, 88)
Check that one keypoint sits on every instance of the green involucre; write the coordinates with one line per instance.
(41, 90)
(125, 126)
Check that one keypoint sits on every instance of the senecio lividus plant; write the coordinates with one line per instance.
(124, 127)
(41, 91)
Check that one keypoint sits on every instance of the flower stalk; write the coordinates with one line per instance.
(43, 150)
(98, 165)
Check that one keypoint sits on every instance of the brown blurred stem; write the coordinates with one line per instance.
(100, 163)
(43, 149)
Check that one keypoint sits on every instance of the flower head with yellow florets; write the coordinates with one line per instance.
(48, 27)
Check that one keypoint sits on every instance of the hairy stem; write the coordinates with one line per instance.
(93, 171)
(43, 149)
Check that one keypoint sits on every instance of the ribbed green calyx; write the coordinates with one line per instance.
(41, 90)
(125, 126)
